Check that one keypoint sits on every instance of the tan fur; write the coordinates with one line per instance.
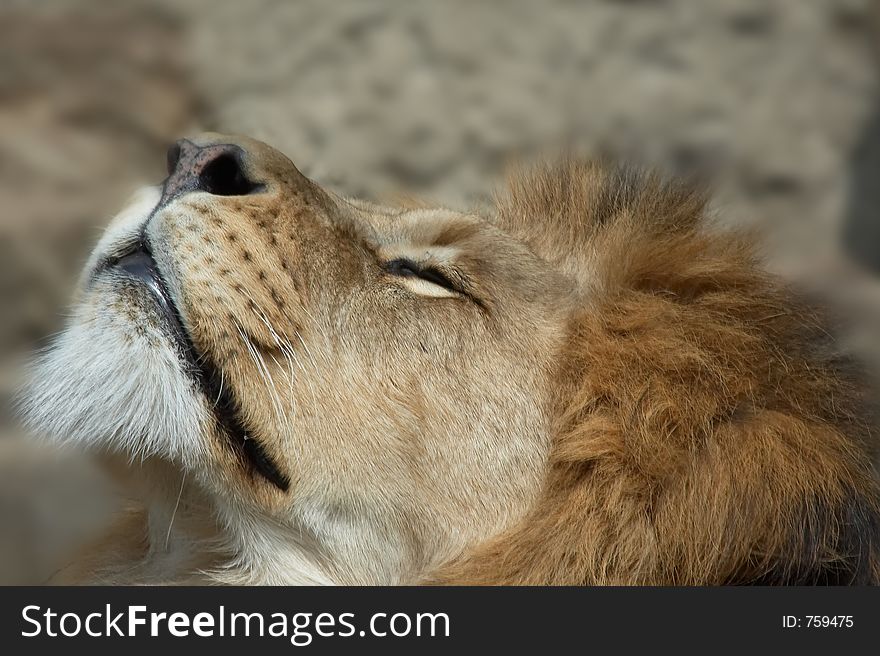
(619, 393)
(707, 432)
(144, 546)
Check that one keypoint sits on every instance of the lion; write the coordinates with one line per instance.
(591, 385)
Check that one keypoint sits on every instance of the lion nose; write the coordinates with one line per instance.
(217, 169)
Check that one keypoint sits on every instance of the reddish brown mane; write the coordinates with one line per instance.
(708, 433)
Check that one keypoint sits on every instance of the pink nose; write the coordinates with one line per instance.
(216, 169)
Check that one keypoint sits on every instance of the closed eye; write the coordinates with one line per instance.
(409, 269)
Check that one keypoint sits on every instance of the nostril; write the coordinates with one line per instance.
(215, 168)
(223, 177)
(173, 157)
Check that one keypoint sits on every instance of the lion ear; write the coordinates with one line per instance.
(705, 433)
(571, 212)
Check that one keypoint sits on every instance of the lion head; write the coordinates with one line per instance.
(588, 386)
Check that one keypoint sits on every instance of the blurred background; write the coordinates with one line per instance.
(774, 103)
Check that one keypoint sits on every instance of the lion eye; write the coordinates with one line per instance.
(409, 269)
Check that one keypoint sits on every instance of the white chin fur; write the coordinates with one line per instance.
(114, 382)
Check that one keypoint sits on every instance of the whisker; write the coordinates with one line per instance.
(263, 370)
(220, 393)
(174, 512)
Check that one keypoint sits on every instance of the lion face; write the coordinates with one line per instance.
(349, 384)
(593, 386)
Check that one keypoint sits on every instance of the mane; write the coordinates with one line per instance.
(707, 431)
(568, 211)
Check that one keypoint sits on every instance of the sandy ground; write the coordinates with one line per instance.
(775, 105)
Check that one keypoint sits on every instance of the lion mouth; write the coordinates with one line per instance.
(138, 264)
